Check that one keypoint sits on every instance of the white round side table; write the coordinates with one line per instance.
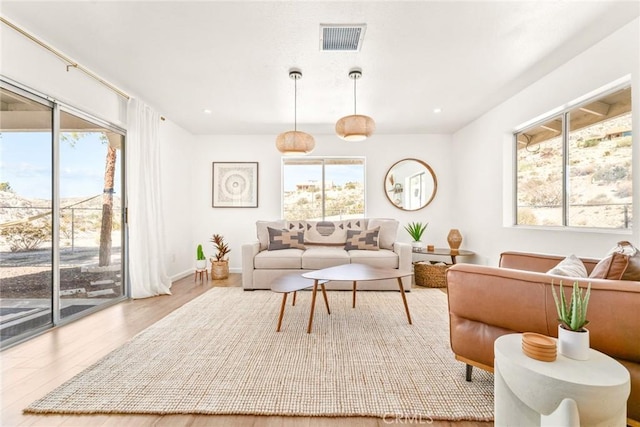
(564, 392)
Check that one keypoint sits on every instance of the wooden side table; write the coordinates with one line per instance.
(445, 252)
(565, 392)
(200, 274)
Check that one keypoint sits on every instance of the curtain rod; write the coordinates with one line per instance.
(71, 63)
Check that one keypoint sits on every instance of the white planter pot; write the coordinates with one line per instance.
(201, 264)
(574, 345)
(417, 244)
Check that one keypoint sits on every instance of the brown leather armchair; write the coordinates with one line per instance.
(487, 302)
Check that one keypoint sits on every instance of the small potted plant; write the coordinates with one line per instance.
(573, 337)
(415, 230)
(220, 266)
(201, 259)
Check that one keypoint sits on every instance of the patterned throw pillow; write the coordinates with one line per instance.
(330, 232)
(285, 239)
(362, 239)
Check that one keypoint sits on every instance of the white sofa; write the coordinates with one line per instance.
(324, 246)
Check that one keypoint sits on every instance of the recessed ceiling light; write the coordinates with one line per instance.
(206, 111)
(437, 110)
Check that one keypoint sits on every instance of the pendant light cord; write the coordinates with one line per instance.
(295, 105)
(354, 96)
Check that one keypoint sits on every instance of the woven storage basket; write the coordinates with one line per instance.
(430, 275)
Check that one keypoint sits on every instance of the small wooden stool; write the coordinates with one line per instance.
(293, 283)
(201, 274)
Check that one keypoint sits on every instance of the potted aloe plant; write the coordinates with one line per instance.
(573, 337)
(201, 259)
(415, 230)
(220, 266)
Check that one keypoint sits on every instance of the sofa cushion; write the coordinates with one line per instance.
(388, 231)
(384, 258)
(280, 239)
(286, 258)
(317, 257)
(362, 239)
(330, 232)
(571, 266)
(263, 233)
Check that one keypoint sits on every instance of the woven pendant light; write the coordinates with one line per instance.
(355, 127)
(294, 142)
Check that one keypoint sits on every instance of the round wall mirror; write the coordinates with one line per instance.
(410, 184)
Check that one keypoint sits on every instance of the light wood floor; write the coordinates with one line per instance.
(32, 369)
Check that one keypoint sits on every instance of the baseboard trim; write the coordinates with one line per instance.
(182, 274)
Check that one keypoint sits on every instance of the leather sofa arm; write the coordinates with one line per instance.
(249, 252)
(503, 298)
(522, 301)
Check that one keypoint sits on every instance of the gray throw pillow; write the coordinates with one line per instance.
(362, 240)
(284, 239)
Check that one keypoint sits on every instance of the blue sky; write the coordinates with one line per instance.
(339, 174)
(25, 162)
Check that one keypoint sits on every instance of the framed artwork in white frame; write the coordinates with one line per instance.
(235, 184)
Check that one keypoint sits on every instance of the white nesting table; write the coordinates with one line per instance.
(564, 392)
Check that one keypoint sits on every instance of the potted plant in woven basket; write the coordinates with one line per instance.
(220, 266)
(573, 337)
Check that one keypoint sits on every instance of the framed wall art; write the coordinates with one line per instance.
(235, 184)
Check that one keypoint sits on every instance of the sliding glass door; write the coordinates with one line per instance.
(26, 224)
(90, 212)
(61, 211)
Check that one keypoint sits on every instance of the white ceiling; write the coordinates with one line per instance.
(233, 57)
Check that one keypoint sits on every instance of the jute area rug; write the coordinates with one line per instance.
(221, 354)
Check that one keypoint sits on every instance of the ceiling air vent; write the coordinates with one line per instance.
(341, 37)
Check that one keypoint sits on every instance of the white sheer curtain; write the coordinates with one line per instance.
(147, 272)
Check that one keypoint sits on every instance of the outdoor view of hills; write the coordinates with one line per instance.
(341, 201)
(79, 224)
(599, 183)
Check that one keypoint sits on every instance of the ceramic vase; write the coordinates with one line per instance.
(454, 239)
(572, 344)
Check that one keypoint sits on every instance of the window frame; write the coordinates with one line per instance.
(322, 160)
(563, 112)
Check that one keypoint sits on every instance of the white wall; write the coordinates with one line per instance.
(27, 63)
(483, 153)
(24, 62)
(177, 156)
(237, 225)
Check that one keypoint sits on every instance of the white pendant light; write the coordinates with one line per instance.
(355, 127)
(294, 142)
